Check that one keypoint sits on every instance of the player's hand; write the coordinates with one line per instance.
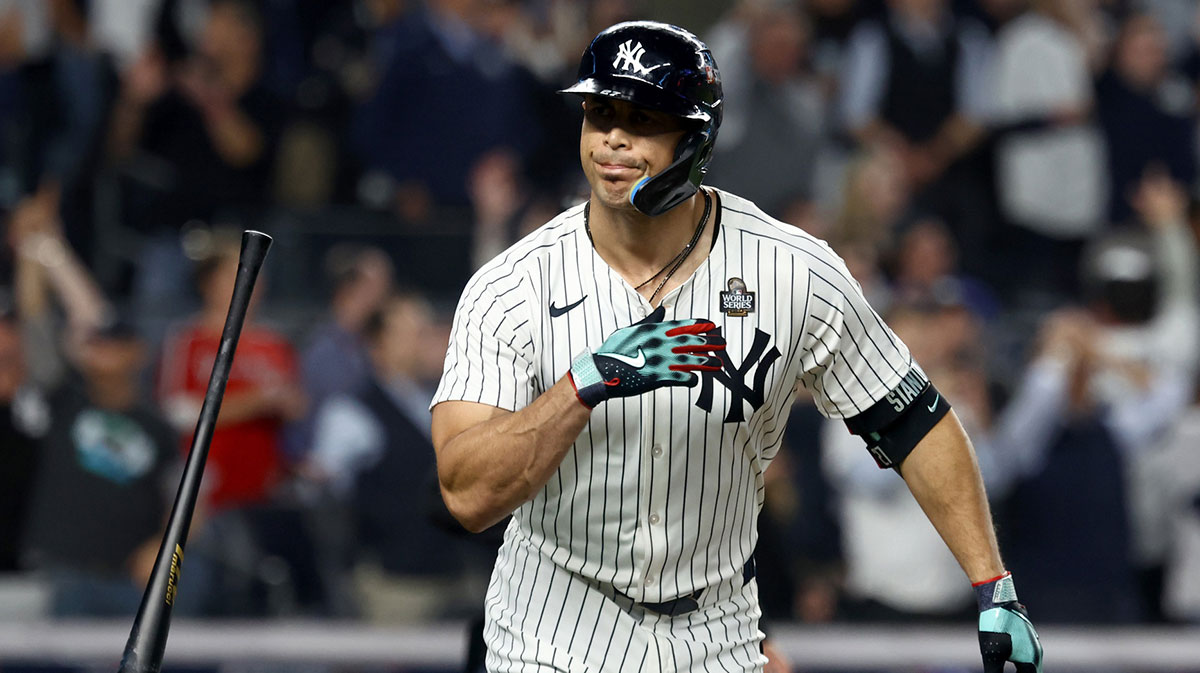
(1005, 632)
(648, 354)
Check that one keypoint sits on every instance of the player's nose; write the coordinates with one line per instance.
(616, 138)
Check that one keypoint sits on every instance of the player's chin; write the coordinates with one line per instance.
(615, 193)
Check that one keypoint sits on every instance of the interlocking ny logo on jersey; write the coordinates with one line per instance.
(733, 377)
(629, 57)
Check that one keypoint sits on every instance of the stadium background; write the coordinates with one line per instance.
(1013, 182)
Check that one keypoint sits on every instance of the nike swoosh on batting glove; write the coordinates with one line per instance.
(1005, 632)
(648, 354)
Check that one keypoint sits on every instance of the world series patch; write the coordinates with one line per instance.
(737, 301)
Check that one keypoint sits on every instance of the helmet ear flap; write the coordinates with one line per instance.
(705, 154)
(675, 183)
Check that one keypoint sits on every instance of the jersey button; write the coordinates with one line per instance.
(654, 518)
(657, 452)
(649, 581)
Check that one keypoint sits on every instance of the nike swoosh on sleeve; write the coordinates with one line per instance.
(636, 362)
(933, 406)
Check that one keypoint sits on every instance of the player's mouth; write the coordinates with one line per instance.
(617, 170)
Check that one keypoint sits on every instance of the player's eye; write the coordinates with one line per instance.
(647, 122)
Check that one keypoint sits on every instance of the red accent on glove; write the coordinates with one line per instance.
(997, 578)
(697, 328)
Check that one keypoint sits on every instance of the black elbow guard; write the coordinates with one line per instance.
(894, 425)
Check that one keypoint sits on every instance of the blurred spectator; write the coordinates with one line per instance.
(1145, 292)
(1066, 526)
(772, 132)
(926, 271)
(876, 200)
(373, 451)
(1106, 385)
(198, 134)
(1178, 20)
(420, 131)
(99, 497)
(335, 361)
(122, 29)
(1147, 111)
(194, 137)
(52, 104)
(506, 208)
(917, 81)
(24, 420)
(832, 21)
(1176, 475)
(1051, 177)
(245, 460)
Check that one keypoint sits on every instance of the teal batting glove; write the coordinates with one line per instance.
(646, 355)
(1005, 632)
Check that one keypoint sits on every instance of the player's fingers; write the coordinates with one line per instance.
(691, 363)
(698, 327)
(993, 665)
(696, 348)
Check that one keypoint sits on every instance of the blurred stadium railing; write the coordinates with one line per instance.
(440, 647)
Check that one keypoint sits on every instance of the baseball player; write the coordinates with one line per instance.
(619, 382)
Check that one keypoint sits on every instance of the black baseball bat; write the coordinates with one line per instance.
(148, 637)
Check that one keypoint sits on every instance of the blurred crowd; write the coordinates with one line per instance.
(1013, 183)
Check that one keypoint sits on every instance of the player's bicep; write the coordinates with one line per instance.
(452, 418)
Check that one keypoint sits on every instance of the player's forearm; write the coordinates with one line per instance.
(943, 475)
(491, 468)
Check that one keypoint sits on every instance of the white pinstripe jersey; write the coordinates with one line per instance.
(659, 495)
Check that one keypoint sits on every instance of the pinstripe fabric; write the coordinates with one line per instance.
(541, 617)
(659, 495)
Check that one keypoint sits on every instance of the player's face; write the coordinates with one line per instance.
(621, 143)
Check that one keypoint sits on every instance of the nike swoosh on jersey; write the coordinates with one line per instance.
(637, 362)
(556, 311)
(934, 405)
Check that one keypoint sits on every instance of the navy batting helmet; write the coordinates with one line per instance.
(665, 68)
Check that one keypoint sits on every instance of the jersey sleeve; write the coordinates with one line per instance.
(490, 356)
(851, 358)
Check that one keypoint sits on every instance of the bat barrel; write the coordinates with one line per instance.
(148, 637)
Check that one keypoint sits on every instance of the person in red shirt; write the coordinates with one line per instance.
(245, 460)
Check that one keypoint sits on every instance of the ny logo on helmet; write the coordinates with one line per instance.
(629, 57)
